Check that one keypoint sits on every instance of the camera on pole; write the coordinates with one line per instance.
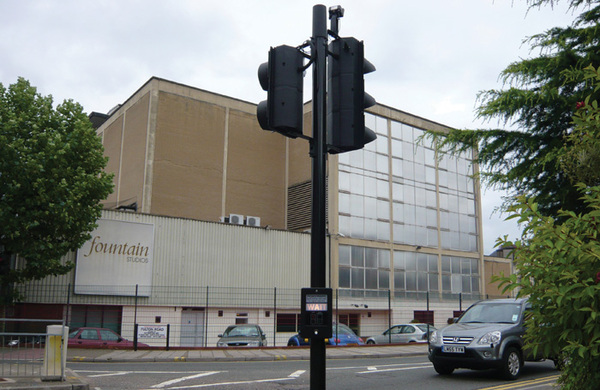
(346, 97)
(282, 78)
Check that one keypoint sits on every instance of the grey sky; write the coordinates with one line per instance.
(432, 56)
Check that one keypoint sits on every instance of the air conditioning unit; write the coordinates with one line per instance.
(253, 221)
(236, 219)
(224, 219)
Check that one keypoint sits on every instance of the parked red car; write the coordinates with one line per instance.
(99, 338)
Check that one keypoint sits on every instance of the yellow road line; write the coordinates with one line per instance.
(516, 385)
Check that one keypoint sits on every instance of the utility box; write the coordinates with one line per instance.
(55, 356)
(316, 313)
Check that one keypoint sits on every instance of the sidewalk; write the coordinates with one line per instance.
(244, 354)
(74, 382)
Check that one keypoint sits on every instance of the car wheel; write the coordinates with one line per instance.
(442, 369)
(511, 364)
(370, 342)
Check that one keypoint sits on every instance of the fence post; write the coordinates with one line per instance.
(274, 315)
(68, 304)
(135, 327)
(389, 315)
(206, 320)
(337, 313)
(168, 335)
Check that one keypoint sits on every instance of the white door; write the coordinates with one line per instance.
(192, 328)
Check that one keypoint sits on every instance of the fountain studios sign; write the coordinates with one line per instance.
(116, 259)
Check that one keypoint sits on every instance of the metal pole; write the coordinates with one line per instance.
(135, 327)
(274, 315)
(389, 315)
(318, 231)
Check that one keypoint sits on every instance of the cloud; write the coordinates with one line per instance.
(432, 57)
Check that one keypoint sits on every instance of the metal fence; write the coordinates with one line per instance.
(23, 351)
(170, 316)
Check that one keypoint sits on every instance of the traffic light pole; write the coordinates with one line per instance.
(318, 236)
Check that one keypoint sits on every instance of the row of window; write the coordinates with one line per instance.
(409, 210)
(362, 268)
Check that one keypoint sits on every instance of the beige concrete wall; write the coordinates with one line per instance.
(111, 139)
(300, 169)
(133, 157)
(256, 171)
(188, 158)
(495, 267)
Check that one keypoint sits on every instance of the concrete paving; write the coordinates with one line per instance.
(74, 382)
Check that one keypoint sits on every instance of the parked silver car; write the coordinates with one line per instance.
(403, 333)
(242, 336)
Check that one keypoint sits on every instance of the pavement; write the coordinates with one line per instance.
(74, 382)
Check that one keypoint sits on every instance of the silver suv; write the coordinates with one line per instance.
(488, 335)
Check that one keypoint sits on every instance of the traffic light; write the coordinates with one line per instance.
(282, 78)
(346, 97)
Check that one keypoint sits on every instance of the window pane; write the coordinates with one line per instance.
(398, 280)
(411, 261)
(384, 279)
(398, 260)
(422, 281)
(371, 279)
(411, 281)
(358, 278)
(384, 258)
(370, 258)
(433, 282)
(344, 257)
(344, 203)
(344, 274)
(446, 286)
(358, 256)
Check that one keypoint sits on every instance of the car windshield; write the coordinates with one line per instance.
(424, 328)
(499, 313)
(234, 331)
(342, 329)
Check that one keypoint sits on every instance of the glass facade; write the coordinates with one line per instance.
(397, 190)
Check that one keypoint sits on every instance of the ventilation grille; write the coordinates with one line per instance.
(299, 206)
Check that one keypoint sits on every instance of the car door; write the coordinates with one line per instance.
(89, 337)
(406, 334)
(109, 338)
(395, 331)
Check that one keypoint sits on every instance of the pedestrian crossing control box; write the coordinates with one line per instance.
(316, 313)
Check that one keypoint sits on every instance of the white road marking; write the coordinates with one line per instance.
(115, 373)
(378, 367)
(232, 383)
(391, 369)
(185, 378)
(297, 373)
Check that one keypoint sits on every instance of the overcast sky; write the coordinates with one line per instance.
(432, 56)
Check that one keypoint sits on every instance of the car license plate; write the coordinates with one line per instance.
(453, 348)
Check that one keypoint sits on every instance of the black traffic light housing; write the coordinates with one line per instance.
(346, 97)
(282, 78)
(316, 313)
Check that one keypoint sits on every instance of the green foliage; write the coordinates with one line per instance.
(580, 156)
(537, 101)
(557, 259)
(52, 180)
(557, 266)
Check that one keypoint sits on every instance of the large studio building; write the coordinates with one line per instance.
(207, 225)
